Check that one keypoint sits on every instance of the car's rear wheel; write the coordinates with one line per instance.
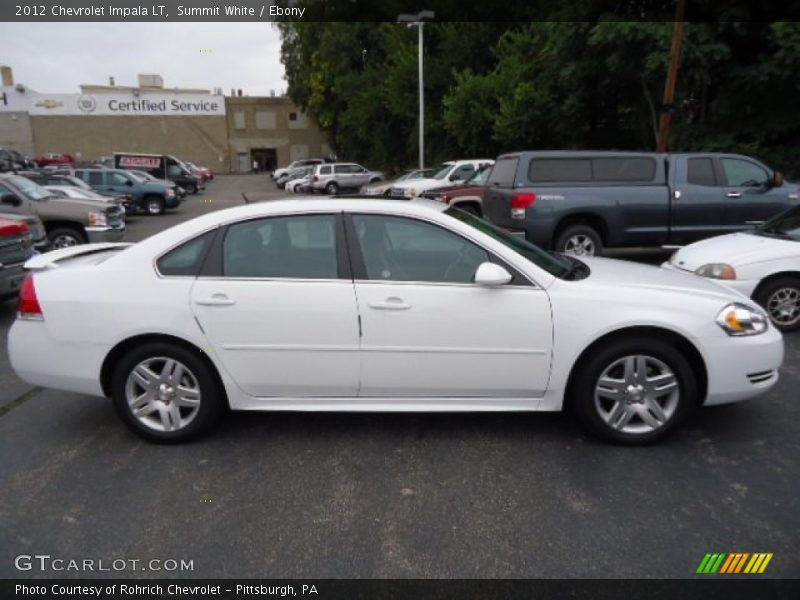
(332, 188)
(65, 237)
(580, 240)
(166, 393)
(781, 299)
(154, 205)
(634, 390)
(191, 189)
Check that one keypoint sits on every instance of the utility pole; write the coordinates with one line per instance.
(672, 79)
(418, 21)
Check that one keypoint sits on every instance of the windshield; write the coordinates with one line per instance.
(443, 171)
(139, 177)
(785, 225)
(553, 264)
(30, 189)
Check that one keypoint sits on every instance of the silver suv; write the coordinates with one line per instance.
(333, 177)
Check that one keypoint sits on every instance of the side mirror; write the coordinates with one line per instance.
(777, 179)
(491, 274)
(10, 199)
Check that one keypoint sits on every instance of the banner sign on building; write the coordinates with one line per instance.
(126, 105)
(12, 99)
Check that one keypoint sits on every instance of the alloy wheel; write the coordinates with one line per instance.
(65, 240)
(783, 306)
(163, 394)
(637, 394)
(579, 245)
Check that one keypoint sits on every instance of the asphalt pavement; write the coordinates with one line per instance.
(366, 496)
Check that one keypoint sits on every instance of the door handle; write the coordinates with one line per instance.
(391, 303)
(734, 194)
(215, 300)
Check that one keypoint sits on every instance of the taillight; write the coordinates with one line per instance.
(28, 302)
(13, 228)
(315, 178)
(521, 202)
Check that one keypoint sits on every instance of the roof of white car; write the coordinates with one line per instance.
(288, 206)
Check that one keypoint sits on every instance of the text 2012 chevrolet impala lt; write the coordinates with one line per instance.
(380, 305)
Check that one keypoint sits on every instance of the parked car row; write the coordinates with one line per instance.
(326, 177)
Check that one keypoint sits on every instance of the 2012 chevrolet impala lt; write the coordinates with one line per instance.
(381, 305)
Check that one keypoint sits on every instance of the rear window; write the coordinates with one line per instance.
(701, 172)
(503, 172)
(624, 169)
(560, 169)
(324, 170)
(187, 258)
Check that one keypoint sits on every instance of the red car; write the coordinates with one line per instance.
(53, 159)
(204, 173)
(467, 196)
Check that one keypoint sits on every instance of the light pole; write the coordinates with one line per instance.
(418, 21)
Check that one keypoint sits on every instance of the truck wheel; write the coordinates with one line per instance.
(781, 299)
(154, 205)
(633, 390)
(332, 188)
(580, 240)
(191, 189)
(65, 237)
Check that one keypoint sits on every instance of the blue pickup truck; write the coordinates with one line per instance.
(579, 202)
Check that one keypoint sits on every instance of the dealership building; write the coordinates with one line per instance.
(225, 133)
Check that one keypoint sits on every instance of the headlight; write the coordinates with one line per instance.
(170, 193)
(97, 219)
(739, 319)
(717, 271)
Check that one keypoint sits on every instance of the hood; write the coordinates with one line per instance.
(86, 203)
(735, 249)
(622, 274)
(419, 185)
(159, 186)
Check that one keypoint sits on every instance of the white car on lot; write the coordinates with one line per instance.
(448, 173)
(380, 305)
(763, 264)
(301, 183)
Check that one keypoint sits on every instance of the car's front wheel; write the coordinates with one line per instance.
(332, 188)
(781, 299)
(65, 237)
(154, 205)
(634, 390)
(166, 393)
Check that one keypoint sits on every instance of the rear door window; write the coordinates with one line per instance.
(95, 178)
(544, 170)
(700, 171)
(187, 258)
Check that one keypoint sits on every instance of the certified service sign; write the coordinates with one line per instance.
(128, 105)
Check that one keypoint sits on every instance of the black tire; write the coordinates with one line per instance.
(332, 188)
(64, 237)
(587, 403)
(153, 205)
(212, 396)
(780, 292)
(566, 240)
(191, 189)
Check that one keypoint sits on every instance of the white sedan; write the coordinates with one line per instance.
(376, 305)
(763, 264)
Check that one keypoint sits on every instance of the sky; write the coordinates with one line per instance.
(58, 57)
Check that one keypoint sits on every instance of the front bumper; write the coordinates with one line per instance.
(99, 235)
(741, 367)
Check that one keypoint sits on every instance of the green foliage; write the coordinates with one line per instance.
(498, 87)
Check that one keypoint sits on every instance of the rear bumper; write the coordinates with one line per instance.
(99, 235)
(38, 358)
(11, 277)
